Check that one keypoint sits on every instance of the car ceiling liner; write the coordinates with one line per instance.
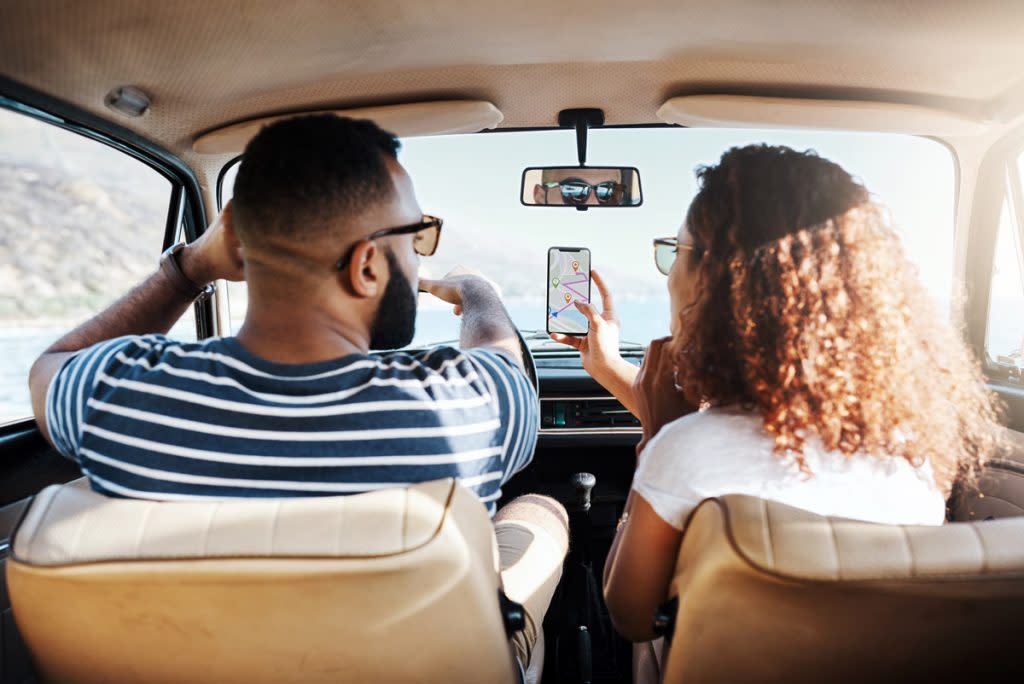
(441, 117)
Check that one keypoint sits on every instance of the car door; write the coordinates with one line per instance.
(83, 217)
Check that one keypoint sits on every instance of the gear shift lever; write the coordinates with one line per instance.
(583, 594)
(583, 485)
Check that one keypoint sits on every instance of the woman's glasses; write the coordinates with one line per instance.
(666, 250)
(427, 234)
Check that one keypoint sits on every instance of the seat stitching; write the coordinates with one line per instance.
(837, 573)
(78, 533)
(341, 526)
(273, 527)
(209, 524)
(910, 550)
(142, 529)
(37, 524)
(766, 529)
(981, 545)
(405, 518)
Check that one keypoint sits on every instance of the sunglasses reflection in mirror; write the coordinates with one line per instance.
(578, 191)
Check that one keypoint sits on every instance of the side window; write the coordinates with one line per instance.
(1004, 341)
(80, 224)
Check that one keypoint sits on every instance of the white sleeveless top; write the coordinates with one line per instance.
(727, 451)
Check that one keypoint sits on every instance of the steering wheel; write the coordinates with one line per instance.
(529, 366)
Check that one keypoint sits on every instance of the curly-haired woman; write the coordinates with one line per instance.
(826, 378)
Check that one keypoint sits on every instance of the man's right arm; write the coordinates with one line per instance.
(487, 326)
(485, 323)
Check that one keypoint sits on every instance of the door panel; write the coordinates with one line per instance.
(28, 463)
(1000, 491)
(15, 664)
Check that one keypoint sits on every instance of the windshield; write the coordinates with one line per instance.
(473, 183)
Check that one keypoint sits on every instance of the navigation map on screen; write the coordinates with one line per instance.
(568, 282)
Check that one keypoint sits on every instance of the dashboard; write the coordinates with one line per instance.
(575, 409)
(583, 429)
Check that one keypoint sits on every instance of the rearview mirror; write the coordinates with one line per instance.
(581, 186)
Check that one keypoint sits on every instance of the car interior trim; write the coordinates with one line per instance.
(442, 117)
(785, 112)
(589, 431)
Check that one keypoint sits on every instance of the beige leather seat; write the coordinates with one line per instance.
(397, 585)
(770, 593)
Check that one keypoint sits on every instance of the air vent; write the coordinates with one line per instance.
(580, 413)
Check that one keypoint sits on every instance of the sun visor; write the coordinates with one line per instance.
(741, 111)
(404, 120)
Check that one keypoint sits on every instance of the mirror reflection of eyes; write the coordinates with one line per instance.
(582, 186)
(605, 192)
(574, 190)
(578, 191)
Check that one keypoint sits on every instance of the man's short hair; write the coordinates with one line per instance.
(302, 176)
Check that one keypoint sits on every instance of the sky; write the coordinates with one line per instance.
(473, 182)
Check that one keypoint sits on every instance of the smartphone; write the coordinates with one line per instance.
(568, 283)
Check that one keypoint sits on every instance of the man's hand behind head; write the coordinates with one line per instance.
(216, 255)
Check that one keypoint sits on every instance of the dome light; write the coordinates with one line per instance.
(127, 100)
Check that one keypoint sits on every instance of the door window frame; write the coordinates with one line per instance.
(185, 207)
(998, 181)
(185, 211)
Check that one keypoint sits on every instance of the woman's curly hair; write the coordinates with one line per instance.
(808, 309)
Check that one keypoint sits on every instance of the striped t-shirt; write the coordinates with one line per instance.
(148, 417)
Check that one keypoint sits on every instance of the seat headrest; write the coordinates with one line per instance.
(798, 544)
(72, 524)
(768, 592)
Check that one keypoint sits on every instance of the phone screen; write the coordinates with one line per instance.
(568, 283)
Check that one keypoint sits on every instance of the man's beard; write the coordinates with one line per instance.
(394, 324)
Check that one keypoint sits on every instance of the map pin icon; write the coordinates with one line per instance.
(575, 265)
(568, 297)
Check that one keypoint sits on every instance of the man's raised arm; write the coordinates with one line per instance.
(485, 323)
(152, 306)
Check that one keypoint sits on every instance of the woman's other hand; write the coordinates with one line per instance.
(599, 349)
(658, 402)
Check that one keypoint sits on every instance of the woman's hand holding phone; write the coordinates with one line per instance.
(599, 349)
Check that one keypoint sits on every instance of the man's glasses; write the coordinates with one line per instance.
(577, 191)
(666, 250)
(427, 233)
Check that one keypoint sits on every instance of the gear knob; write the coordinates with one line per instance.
(582, 484)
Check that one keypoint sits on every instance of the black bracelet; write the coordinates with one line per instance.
(170, 266)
